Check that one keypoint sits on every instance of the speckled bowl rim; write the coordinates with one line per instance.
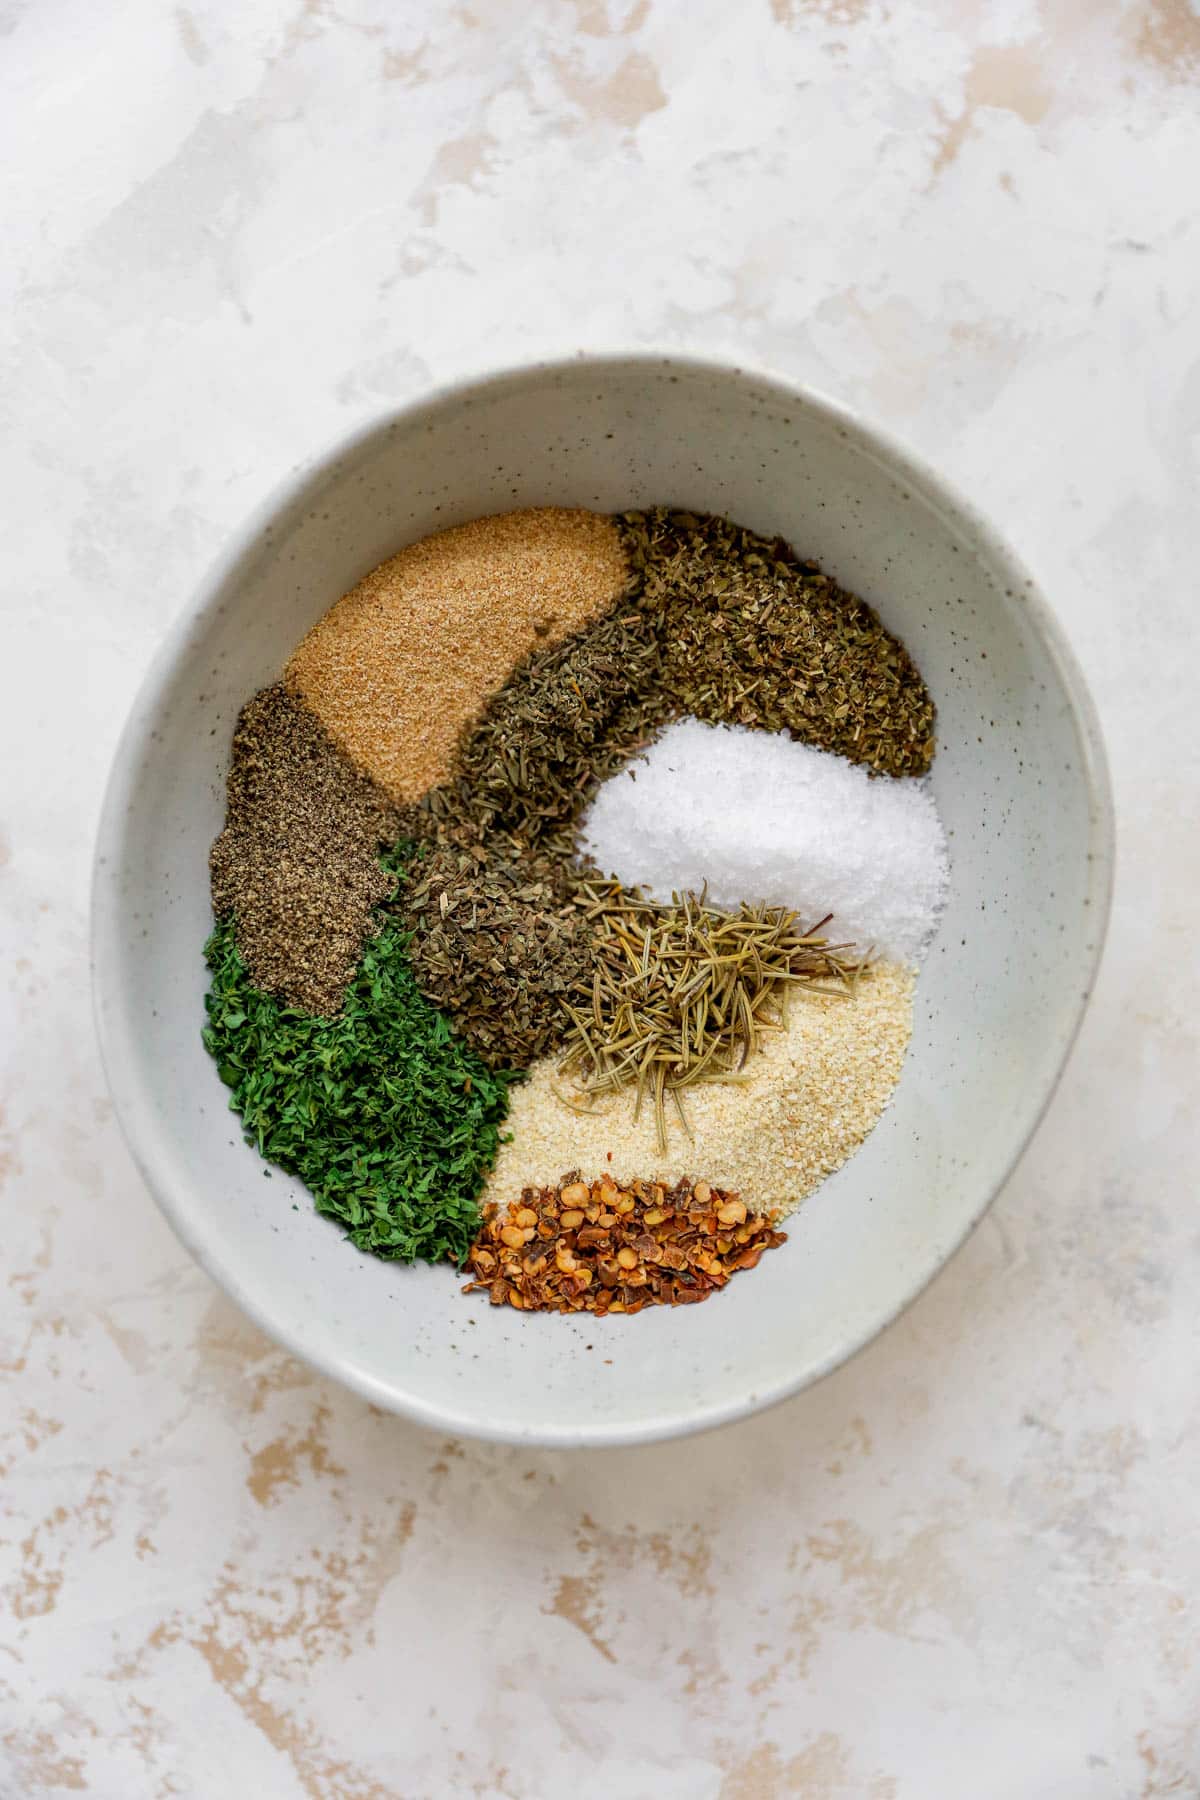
(150, 1144)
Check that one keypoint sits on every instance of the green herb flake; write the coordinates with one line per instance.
(383, 1112)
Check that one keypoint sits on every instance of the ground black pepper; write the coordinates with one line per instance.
(297, 862)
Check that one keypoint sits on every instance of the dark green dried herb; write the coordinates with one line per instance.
(497, 945)
(752, 635)
(567, 718)
(498, 938)
(383, 1112)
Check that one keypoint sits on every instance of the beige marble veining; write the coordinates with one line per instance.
(967, 1563)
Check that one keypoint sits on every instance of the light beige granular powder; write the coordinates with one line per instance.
(817, 1089)
(407, 658)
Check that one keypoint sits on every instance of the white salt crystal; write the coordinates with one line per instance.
(761, 818)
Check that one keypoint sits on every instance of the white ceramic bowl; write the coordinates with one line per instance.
(1019, 776)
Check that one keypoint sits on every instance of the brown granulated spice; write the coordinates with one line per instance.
(404, 662)
(297, 862)
(611, 1248)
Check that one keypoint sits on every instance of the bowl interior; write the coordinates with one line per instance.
(1017, 778)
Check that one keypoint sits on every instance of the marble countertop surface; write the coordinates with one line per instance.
(965, 1565)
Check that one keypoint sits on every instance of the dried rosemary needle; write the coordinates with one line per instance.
(684, 993)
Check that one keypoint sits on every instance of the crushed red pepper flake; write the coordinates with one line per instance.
(610, 1248)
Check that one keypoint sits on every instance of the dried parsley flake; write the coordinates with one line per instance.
(383, 1112)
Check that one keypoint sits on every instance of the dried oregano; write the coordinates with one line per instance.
(497, 945)
(752, 635)
(566, 718)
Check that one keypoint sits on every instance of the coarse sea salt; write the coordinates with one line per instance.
(758, 817)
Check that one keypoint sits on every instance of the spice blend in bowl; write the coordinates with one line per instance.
(453, 938)
(373, 1066)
